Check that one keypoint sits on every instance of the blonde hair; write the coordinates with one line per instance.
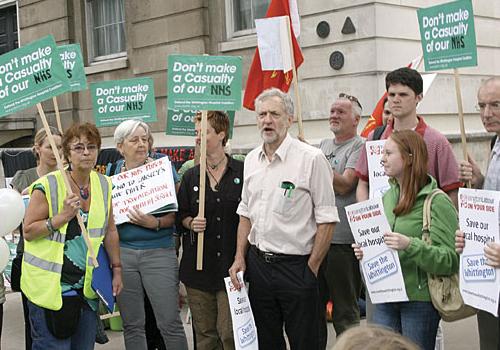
(40, 137)
(373, 338)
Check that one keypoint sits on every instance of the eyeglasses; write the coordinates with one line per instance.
(80, 148)
(350, 98)
(494, 106)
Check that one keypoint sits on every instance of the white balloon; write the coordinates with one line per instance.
(11, 210)
(4, 254)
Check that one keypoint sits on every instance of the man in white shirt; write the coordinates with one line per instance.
(287, 216)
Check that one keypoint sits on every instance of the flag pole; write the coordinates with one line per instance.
(295, 81)
(60, 166)
(201, 202)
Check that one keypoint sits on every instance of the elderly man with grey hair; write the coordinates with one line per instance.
(287, 216)
(342, 268)
(488, 105)
(147, 252)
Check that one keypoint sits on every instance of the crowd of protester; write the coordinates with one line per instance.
(279, 217)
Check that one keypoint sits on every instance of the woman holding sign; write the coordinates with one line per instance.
(56, 270)
(405, 162)
(147, 248)
(205, 288)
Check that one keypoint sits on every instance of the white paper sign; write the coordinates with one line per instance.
(244, 329)
(380, 264)
(478, 216)
(274, 43)
(147, 188)
(379, 182)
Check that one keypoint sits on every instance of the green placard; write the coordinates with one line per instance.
(114, 101)
(204, 82)
(181, 123)
(71, 57)
(31, 74)
(448, 36)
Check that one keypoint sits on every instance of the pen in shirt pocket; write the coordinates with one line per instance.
(288, 187)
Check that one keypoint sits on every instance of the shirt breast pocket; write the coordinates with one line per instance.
(283, 201)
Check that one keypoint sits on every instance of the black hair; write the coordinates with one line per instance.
(405, 76)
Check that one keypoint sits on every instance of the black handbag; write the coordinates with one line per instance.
(64, 322)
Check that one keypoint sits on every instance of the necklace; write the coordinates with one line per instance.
(215, 166)
(217, 182)
(84, 190)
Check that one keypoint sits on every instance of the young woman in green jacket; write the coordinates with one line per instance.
(405, 162)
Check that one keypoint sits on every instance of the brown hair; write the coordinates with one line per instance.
(373, 338)
(414, 153)
(78, 130)
(40, 137)
(218, 120)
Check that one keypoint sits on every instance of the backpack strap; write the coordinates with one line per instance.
(377, 133)
(426, 214)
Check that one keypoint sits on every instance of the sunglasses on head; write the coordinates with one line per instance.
(350, 98)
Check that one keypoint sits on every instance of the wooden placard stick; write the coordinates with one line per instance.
(295, 81)
(60, 166)
(201, 203)
(58, 116)
(461, 117)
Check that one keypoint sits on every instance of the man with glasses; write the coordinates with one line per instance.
(342, 268)
(489, 109)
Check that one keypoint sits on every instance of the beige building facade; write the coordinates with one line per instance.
(132, 38)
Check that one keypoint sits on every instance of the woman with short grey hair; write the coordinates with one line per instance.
(147, 253)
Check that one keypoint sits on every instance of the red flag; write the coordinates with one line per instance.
(259, 80)
(376, 118)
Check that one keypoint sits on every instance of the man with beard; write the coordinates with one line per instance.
(287, 216)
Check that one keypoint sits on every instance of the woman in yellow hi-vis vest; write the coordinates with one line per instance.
(56, 270)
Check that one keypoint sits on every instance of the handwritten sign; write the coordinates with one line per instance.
(147, 188)
(244, 329)
(379, 181)
(478, 217)
(380, 264)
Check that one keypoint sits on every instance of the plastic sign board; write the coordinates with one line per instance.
(479, 281)
(204, 82)
(31, 74)
(181, 123)
(448, 36)
(114, 101)
(71, 57)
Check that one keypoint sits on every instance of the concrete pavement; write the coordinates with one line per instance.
(460, 335)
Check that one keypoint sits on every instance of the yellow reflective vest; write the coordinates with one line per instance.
(43, 257)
